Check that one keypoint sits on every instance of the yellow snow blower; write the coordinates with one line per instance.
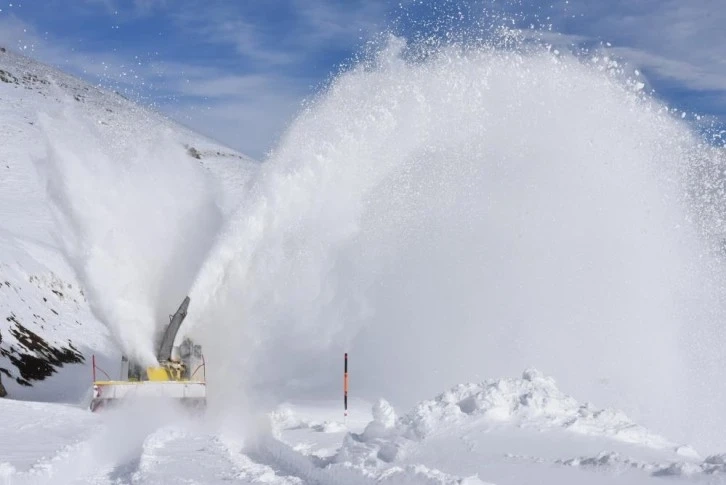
(180, 374)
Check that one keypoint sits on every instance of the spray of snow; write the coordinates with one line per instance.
(136, 217)
(468, 212)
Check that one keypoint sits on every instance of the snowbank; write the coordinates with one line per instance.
(532, 401)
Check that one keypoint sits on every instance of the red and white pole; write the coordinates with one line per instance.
(345, 385)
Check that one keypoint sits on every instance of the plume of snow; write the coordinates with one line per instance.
(136, 217)
(473, 210)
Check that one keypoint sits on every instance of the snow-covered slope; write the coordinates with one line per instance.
(46, 325)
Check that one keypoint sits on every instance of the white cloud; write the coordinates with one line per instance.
(108, 5)
(252, 125)
(222, 25)
(329, 20)
(145, 7)
(245, 111)
(678, 41)
(311, 25)
(225, 85)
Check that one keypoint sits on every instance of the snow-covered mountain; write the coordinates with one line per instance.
(47, 328)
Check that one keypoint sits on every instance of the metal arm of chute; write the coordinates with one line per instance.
(167, 343)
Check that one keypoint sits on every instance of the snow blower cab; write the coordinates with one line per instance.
(180, 375)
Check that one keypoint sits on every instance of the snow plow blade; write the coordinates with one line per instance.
(110, 393)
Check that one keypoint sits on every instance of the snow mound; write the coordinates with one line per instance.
(532, 401)
(606, 459)
(422, 475)
(384, 420)
(269, 452)
(284, 418)
(712, 465)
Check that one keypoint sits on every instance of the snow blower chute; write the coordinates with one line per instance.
(180, 375)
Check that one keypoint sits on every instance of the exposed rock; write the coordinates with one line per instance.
(6, 77)
(34, 358)
(3, 392)
(193, 152)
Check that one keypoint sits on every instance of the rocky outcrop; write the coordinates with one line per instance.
(41, 314)
(3, 392)
(35, 358)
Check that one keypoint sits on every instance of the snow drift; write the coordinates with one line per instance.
(533, 401)
(504, 430)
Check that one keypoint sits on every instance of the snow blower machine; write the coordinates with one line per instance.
(180, 375)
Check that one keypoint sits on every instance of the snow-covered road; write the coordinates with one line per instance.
(506, 431)
(52, 443)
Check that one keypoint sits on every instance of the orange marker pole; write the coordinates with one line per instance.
(345, 385)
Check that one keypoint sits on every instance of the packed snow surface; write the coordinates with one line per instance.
(505, 431)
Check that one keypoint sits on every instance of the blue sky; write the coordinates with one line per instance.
(238, 70)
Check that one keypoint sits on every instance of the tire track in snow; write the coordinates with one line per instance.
(165, 455)
(122, 448)
(272, 461)
(254, 471)
(191, 456)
